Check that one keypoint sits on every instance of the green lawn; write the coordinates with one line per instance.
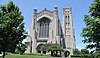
(25, 56)
(28, 56)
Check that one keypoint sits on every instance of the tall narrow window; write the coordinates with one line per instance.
(68, 23)
(68, 18)
(44, 27)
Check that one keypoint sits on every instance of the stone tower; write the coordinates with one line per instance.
(68, 29)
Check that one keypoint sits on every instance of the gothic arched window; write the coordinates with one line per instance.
(43, 27)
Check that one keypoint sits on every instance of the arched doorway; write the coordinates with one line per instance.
(39, 49)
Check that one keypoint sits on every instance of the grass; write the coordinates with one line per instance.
(29, 56)
(25, 56)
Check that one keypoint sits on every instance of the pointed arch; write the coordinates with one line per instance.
(43, 25)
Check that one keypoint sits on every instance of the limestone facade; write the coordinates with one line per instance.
(46, 28)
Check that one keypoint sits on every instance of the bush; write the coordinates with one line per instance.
(0, 52)
(76, 56)
(84, 51)
(37, 54)
(76, 51)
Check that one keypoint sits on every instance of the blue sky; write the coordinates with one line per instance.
(79, 9)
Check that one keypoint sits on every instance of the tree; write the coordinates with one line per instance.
(12, 30)
(21, 48)
(91, 32)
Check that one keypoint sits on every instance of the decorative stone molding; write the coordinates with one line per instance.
(46, 12)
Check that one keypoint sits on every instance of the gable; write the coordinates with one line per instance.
(45, 13)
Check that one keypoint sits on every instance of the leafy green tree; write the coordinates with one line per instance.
(91, 32)
(12, 30)
(95, 54)
(97, 51)
(21, 48)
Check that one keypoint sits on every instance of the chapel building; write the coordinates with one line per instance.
(46, 28)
